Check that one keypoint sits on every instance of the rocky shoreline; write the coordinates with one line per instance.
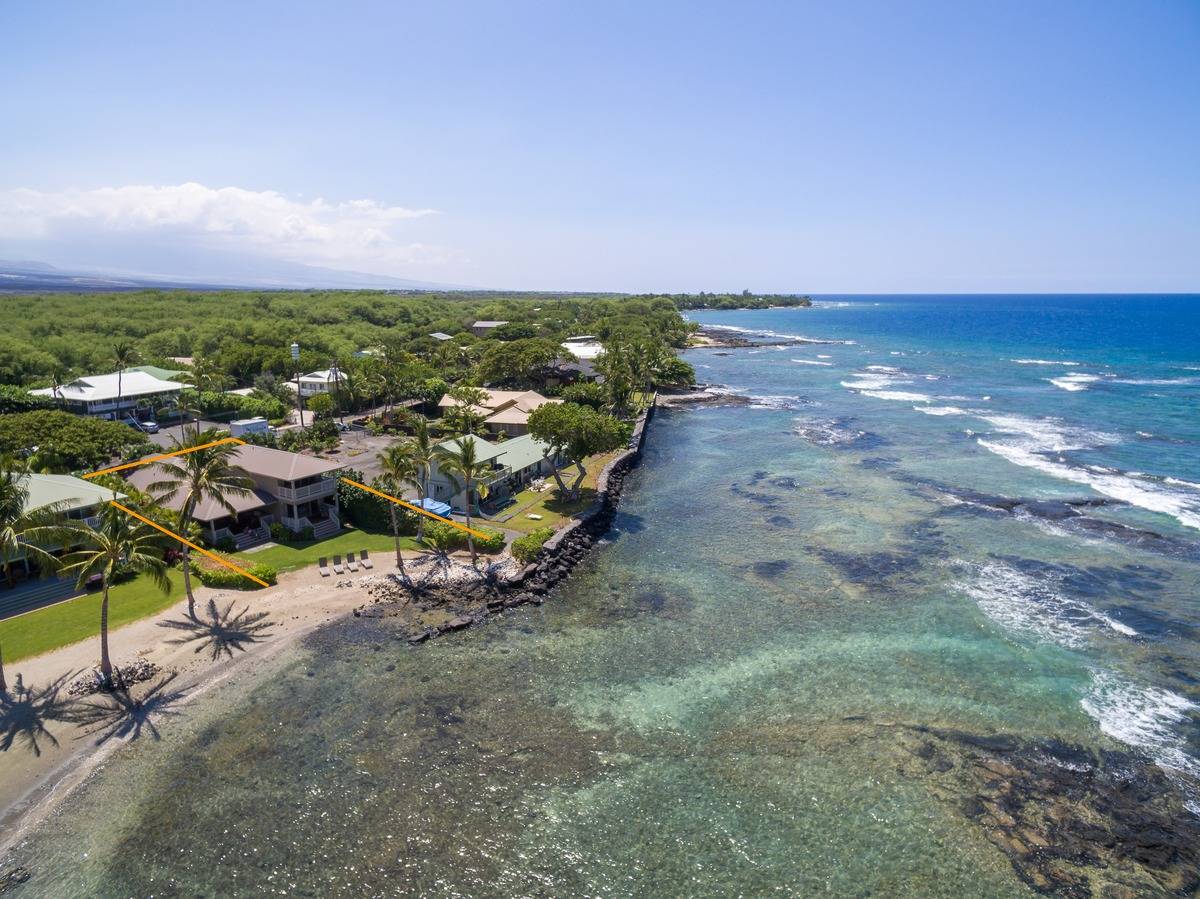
(431, 612)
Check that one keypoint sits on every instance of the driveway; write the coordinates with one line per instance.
(168, 435)
(359, 450)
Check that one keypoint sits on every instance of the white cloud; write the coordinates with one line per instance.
(361, 234)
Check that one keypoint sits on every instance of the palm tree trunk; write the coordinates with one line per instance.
(396, 536)
(424, 491)
(105, 662)
(187, 581)
(470, 538)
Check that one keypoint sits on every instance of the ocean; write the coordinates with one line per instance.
(869, 627)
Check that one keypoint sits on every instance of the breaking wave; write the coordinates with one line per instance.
(1036, 606)
(1142, 716)
(1044, 362)
(760, 332)
(1074, 382)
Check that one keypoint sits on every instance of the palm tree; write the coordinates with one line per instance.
(121, 543)
(25, 532)
(423, 453)
(397, 470)
(124, 355)
(460, 463)
(206, 474)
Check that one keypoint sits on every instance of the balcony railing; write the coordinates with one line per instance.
(325, 487)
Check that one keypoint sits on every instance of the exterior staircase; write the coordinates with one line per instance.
(34, 594)
(253, 538)
(326, 528)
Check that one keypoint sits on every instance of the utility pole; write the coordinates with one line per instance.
(296, 368)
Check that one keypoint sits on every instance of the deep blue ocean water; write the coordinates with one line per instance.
(959, 515)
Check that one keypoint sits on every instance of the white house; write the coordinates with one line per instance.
(513, 464)
(324, 381)
(98, 394)
(74, 499)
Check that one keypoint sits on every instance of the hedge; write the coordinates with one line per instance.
(450, 537)
(525, 549)
(223, 578)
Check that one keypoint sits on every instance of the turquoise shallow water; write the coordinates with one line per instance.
(719, 702)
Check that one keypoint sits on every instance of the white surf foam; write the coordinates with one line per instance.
(941, 410)
(1043, 362)
(902, 396)
(761, 332)
(1183, 506)
(1037, 606)
(811, 362)
(1142, 716)
(1074, 382)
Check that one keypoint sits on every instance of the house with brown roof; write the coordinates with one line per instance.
(295, 490)
(505, 411)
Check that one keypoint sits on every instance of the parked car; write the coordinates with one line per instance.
(146, 427)
(342, 426)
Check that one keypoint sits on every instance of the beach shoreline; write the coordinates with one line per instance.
(34, 785)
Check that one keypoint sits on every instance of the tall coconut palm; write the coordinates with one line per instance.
(423, 453)
(205, 474)
(25, 532)
(120, 544)
(124, 355)
(461, 463)
(396, 471)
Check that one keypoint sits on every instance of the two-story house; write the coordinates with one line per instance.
(115, 396)
(296, 490)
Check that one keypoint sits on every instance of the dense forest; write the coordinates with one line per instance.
(236, 335)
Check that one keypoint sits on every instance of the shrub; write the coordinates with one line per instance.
(279, 533)
(448, 537)
(222, 578)
(525, 549)
(225, 545)
(492, 543)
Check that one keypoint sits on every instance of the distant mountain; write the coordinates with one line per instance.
(31, 277)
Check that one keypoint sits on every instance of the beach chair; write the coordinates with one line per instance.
(323, 566)
(337, 565)
(350, 563)
(364, 561)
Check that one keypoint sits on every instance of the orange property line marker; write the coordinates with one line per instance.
(213, 556)
(418, 509)
(182, 452)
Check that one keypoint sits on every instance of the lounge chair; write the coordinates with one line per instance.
(323, 566)
(337, 565)
(350, 563)
(364, 561)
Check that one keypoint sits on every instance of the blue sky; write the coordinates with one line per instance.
(823, 147)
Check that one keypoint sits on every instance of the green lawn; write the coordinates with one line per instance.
(293, 556)
(79, 619)
(554, 511)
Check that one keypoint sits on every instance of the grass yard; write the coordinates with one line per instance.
(78, 619)
(554, 511)
(293, 556)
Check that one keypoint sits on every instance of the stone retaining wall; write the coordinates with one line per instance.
(440, 611)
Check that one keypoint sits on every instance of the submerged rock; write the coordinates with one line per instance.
(1073, 821)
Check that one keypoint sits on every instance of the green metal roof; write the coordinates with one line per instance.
(521, 452)
(483, 449)
(75, 493)
(163, 374)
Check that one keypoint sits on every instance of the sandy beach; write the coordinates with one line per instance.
(32, 784)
